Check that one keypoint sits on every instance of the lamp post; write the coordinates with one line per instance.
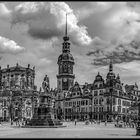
(11, 107)
(111, 92)
(73, 111)
(78, 108)
(90, 96)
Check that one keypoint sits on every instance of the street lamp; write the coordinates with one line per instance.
(11, 107)
(111, 92)
(78, 111)
(90, 96)
(73, 111)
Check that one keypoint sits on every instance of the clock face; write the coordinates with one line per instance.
(65, 80)
(70, 69)
(65, 68)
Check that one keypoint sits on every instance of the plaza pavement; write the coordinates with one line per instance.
(71, 131)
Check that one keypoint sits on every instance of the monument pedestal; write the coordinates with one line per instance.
(44, 115)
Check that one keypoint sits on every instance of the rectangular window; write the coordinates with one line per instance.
(108, 108)
(113, 108)
(95, 93)
(123, 110)
(119, 109)
(79, 102)
(86, 102)
(114, 101)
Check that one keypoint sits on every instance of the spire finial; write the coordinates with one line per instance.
(66, 25)
(66, 38)
(111, 66)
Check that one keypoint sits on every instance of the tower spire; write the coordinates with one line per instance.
(110, 66)
(66, 25)
(66, 38)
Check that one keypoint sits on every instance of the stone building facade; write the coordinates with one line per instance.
(76, 103)
(111, 100)
(18, 93)
(103, 99)
(65, 77)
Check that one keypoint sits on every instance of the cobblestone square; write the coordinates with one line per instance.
(71, 131)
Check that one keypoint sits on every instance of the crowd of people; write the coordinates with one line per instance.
(117, 123)
(19, 122)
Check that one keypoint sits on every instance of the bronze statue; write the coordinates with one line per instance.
(46, 85)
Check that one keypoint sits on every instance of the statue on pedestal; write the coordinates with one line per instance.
(43, 113)
(46, 84)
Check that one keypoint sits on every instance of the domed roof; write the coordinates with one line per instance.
(66, 57)
(118, 78)
(98, 77)
(110, 75)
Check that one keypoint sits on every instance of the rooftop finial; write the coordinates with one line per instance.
(28, 65)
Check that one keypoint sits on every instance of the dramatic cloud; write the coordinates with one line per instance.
(122, 40)
(98, 31)
(9, 46)
(4, 11)
(121, 53)
(47, 20)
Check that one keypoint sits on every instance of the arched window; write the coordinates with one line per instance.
(100, 85)
(4, 102)
(96, 101)
(119, 101)
(5, 115)
(107, 101)
(100, 101)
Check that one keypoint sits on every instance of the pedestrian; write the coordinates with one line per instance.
(16, 121)
(25, 121)
(75, 121)
(11, 122)
(105, 122)
(91, 121)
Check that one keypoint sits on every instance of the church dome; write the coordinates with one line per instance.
(66, 57)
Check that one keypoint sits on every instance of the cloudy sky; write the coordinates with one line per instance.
(32, 33)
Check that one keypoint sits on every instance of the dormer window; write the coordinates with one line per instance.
(78, 93)
(96, 85)
(100, 85)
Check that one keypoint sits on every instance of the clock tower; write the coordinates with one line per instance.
(65, 77)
